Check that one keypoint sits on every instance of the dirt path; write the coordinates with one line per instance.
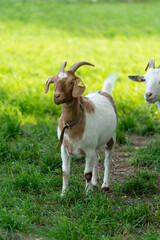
(121, 166)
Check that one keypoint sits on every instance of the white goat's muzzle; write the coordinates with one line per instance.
(149, 97)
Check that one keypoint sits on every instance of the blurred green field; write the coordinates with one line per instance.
(36, 36)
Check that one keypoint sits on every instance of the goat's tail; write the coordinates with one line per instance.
(109, 83)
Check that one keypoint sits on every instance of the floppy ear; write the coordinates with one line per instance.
(48, 82)
(137, 78)
(78, 88)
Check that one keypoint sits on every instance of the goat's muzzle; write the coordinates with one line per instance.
(149, 97)
(57, 98)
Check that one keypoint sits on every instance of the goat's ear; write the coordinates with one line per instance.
(48, 82)
(78, 88)
(137, 78)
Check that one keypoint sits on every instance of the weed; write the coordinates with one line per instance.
(121, 137)
(139, 183)
(10, 118)
(13, 220)
(4, 151)
(29, 181)
(148, 156)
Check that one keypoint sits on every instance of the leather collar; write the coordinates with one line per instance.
(69, 126)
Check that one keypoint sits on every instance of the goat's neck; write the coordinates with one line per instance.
(70, 111)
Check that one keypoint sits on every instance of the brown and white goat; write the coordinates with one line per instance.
(86, 124)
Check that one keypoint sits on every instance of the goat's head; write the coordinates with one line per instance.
(67, 85)
(152, 82)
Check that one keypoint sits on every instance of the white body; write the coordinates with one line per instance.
(100, 128)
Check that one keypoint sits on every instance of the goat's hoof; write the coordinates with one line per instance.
(104, 189)
(63, 193)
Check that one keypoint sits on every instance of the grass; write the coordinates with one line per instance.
(139, 183)
(36, 36)
(149, 156)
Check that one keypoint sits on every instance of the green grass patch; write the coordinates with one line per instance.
(10, 120)
(148, 156)
(100, 219)
(139, 183)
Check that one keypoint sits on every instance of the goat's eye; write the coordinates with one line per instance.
(70, 83)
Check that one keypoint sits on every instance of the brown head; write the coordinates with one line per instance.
(67, 85)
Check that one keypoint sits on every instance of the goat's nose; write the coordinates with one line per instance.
(56, 95)
(148, 94)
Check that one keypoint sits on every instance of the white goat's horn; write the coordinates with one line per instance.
(64, 63)
(151, 64)
(75, 66)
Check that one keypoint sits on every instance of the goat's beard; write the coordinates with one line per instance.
(58, 102)
(152, 100)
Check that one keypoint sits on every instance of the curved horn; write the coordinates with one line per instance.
(151, 64)
(64, 63)
(48, 82)
(75, 66)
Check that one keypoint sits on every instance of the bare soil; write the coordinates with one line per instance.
(121, 166)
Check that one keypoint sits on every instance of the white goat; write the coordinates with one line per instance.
(152, 83)
(86, 124)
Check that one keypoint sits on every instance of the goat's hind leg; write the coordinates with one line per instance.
(106, 179)
(108, 153)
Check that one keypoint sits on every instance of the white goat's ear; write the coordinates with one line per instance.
(137, 78)
(48, 82)
(78, 88)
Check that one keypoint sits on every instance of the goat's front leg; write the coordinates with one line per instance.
(95, 171)
(90, 159)
(66, 165)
